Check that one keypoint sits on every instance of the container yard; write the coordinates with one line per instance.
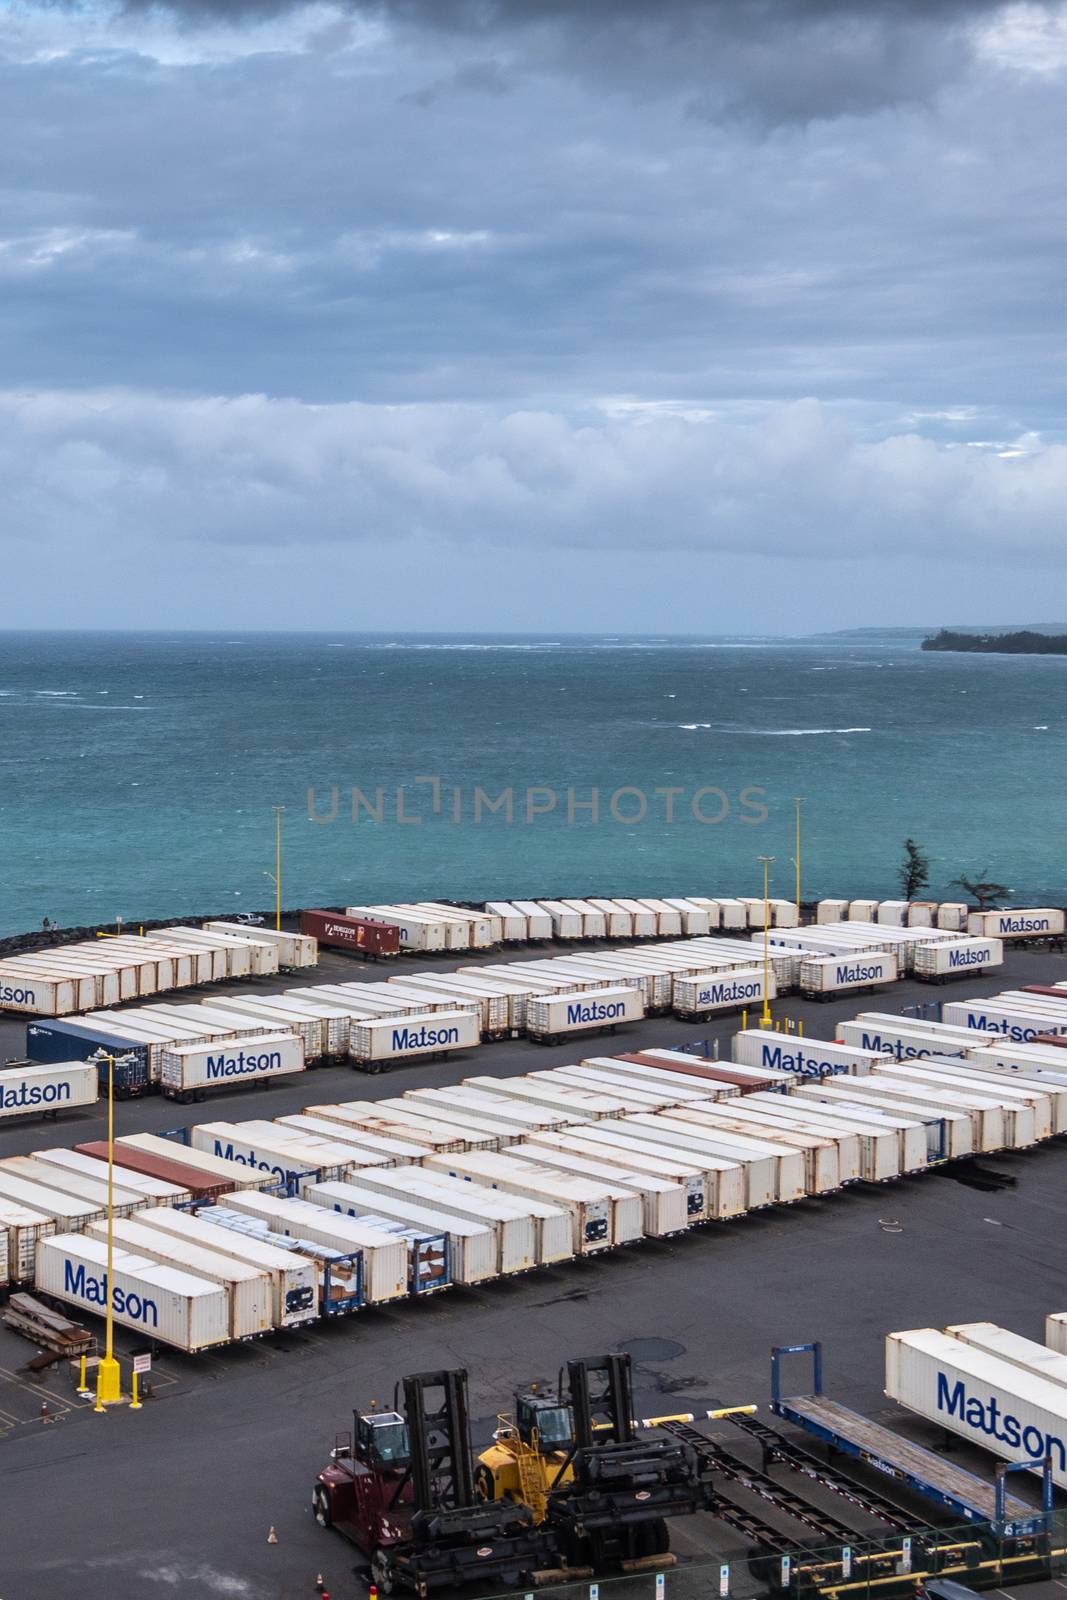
(831, 1142)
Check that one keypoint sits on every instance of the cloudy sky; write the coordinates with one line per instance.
(540, 314)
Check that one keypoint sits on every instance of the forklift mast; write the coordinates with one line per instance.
(601, 1392)
(442, 1468)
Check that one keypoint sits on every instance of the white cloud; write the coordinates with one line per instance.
(135, 468)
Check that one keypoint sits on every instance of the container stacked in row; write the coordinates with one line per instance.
(952, 916)
(103, 972)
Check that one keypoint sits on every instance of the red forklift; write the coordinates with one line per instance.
(401, 1487)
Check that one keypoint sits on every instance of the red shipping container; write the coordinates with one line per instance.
(369, 939)
(153, 1166)
(702, 1068)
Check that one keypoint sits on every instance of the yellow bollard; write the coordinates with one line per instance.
(135, 1404)
(800, 1027)
(81, 1376)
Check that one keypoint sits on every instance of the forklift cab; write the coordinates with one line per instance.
(382, 1441)
(543, 1423)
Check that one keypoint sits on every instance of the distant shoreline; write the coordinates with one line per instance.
(1022, 643)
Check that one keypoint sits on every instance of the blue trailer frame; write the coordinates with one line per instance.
(958, 1491)
(57, 1039)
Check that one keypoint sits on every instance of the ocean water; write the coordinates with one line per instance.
(138, 771)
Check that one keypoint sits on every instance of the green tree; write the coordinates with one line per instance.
(913, 874)
(984, 890)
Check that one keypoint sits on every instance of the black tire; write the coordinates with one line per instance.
(320, 1507)
(484, 1484)
(381, 1573)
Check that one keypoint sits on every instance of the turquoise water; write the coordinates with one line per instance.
(138, 772)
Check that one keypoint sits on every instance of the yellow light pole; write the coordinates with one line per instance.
(766, 1019)
(108, 1371)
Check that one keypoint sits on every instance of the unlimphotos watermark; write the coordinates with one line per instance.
(425, 798)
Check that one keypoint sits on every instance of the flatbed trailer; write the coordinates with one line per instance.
(963, 1494)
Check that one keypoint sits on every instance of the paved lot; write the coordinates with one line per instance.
(176, 1500)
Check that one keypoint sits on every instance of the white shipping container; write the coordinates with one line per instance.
(248, 1290)
(822, 1166)
(513, 1227)
(1028, 923)
(588, 1205)
(538, 922)
(385, 1039)
(922, 914)
(899, 1132)
(950, 1133)
(280, 1154)
(862, 910)
(153, 1191)
(821, 975)
(1018, 1022)
(710, 907)
(731, 1071)
(550, 1016)
(668, 918)
(373, 1149)
(514, 926)
(893, 914)
(640, 1074)
(594, 922)
(416, 933)
(761, 1172)
(364, 1116)
(989, 1121)
(1022, 1116)
(952, 916)
(22, 1229)
(568, 1104)
(385, 1258)
(66, 1210)
(724, 991)
(643, 921)
(733, 914)
(716, 1189)
(617, 922)
(806, 1057)
(294, 1279)
(1013, 1348)
(472, 1245)
(54, 1086)
(5, 1259)
(175, 1307)
(480, 930)
(629, 1092)
(856, 1158)
(294, 949)
(903, 1038)
(663, 1202)
(214, 1169)
(1014, 1414)
(472, 1131)
(43, 997)
(275, 1012)
(831, 911)
(566, 922)
(628, 1157)
(189, 1067)
(458, 993)
(79, 1185)
(957, 957)
(788, 1163)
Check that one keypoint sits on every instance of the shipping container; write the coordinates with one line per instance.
(644, 923)
(589, 1205)
(427, 1255)
(550, 1017)
(830, 975)
(934, 963)
(699, 998)
(338, 1277)
(904, 1132)
(280, 1153)
(22, 1228)
(513, 991)
(952, 916)
(1023, 1115)
(456, 995)
(294, 949)
(630, 1092)
(1027, 923)
(66, 1210)
(1018, 1022)
(1056, 1331)
(414, 933)
(471, 1245)
(165, 1304)
(294, 1279)
(893, 914)
(831, 911)
(594, 921)
(65, 1039)
(43, 997)
(215, 957)
(993, 1127)
(108, 987)
(711, 907)
(863, 1152)
(373, 1149)
(822, 1166)
(790, 1115)
(273, 1011)
(663, 1202)
(668, 917)
(616, 968)
(566, 923)
(1014, 1414)
(922, 914)
(263, 957)
(481, 929)
(174, 1170)
(1013, 1348)
(788, 1165)
(803, 1056)
(190, 1070)
(212, 1168)
(950, 1133)
(1012, 1091)
(153, 1191)
(511, 1224)
(680, 1090)
(904, 1038)
(716, 1189)
(248, 1291)
(862, 910)
(487, 1103)
(455, 935)
(566, 1105)
(514, 925)
(538, 922)
(385, 1257)
(732, 1074)
(47, 1089)
(618, 923)
(376, 1044)
(629, 1158)
(367, 1116)
(761, 1170)
(93, 1190)
(486, 1133)
(733, 914)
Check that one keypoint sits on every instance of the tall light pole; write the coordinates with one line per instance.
(108, 1371)
(766, 1019)
(796, 859)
